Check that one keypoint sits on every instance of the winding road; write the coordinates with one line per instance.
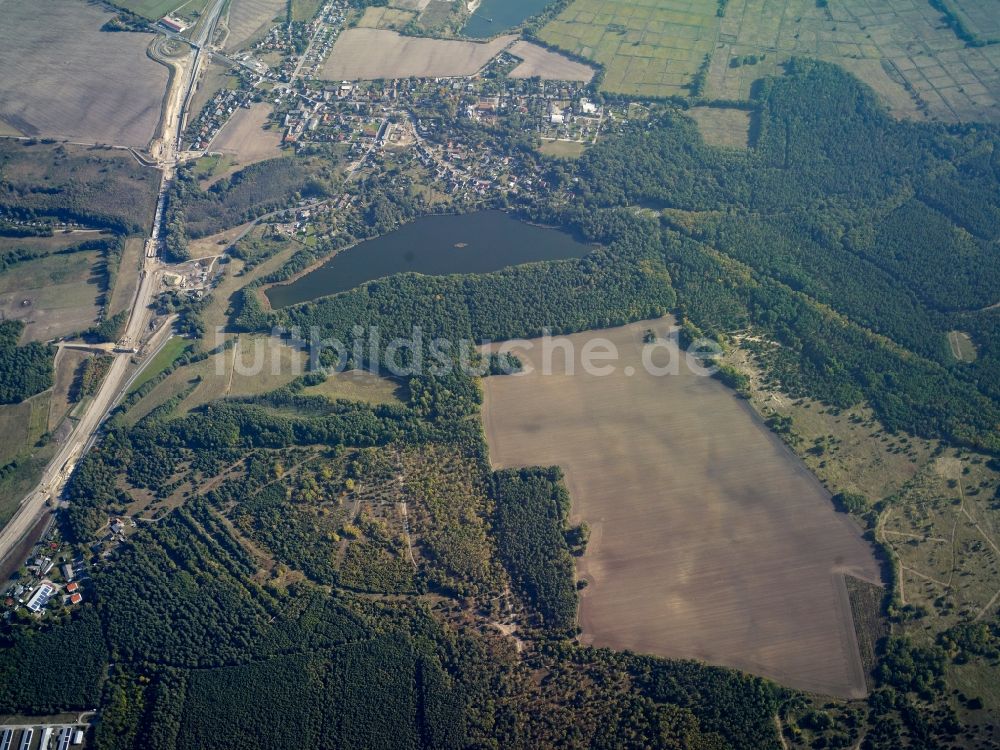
(58, 471)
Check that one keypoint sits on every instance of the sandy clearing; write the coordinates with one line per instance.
(369, 54)
(548, 65)
(64, 78)
(710, 540)
(245, 138)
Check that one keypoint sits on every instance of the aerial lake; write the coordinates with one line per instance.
(496, 16)
(433, 245)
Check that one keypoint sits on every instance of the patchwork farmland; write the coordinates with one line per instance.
(903, 49)
(648, 47)
(64, 78)
(709, 539)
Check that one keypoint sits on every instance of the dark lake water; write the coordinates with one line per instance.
(505, 14)
(433, 245)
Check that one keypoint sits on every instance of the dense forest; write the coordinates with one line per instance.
(838, 235)
(24, 370)
(532, 512)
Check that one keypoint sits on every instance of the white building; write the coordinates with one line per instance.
(41, 597)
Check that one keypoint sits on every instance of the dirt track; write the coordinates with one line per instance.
(710, 540)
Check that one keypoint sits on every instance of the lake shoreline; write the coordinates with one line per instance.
(432, 245)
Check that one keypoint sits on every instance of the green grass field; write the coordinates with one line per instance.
(48, 271)
(304, 10)
(156, 9)
(170, 351)
(648, 47)
(562, 149)
(57, 241)
(358, 385)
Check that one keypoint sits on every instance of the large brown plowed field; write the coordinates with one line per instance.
(370, 54)
(244, 136)
(710, 540)
(548, 65)
(64, 78)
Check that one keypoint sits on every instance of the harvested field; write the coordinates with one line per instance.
(54, 296)
(710, 540)
(244, 136)
(248, 17)
(722, 126)
(406, 57)
(64, 78)
(548, 65)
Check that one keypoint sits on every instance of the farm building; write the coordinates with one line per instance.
(172, 25)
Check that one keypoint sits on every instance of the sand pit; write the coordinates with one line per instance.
(371, 54)
(710, 540)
